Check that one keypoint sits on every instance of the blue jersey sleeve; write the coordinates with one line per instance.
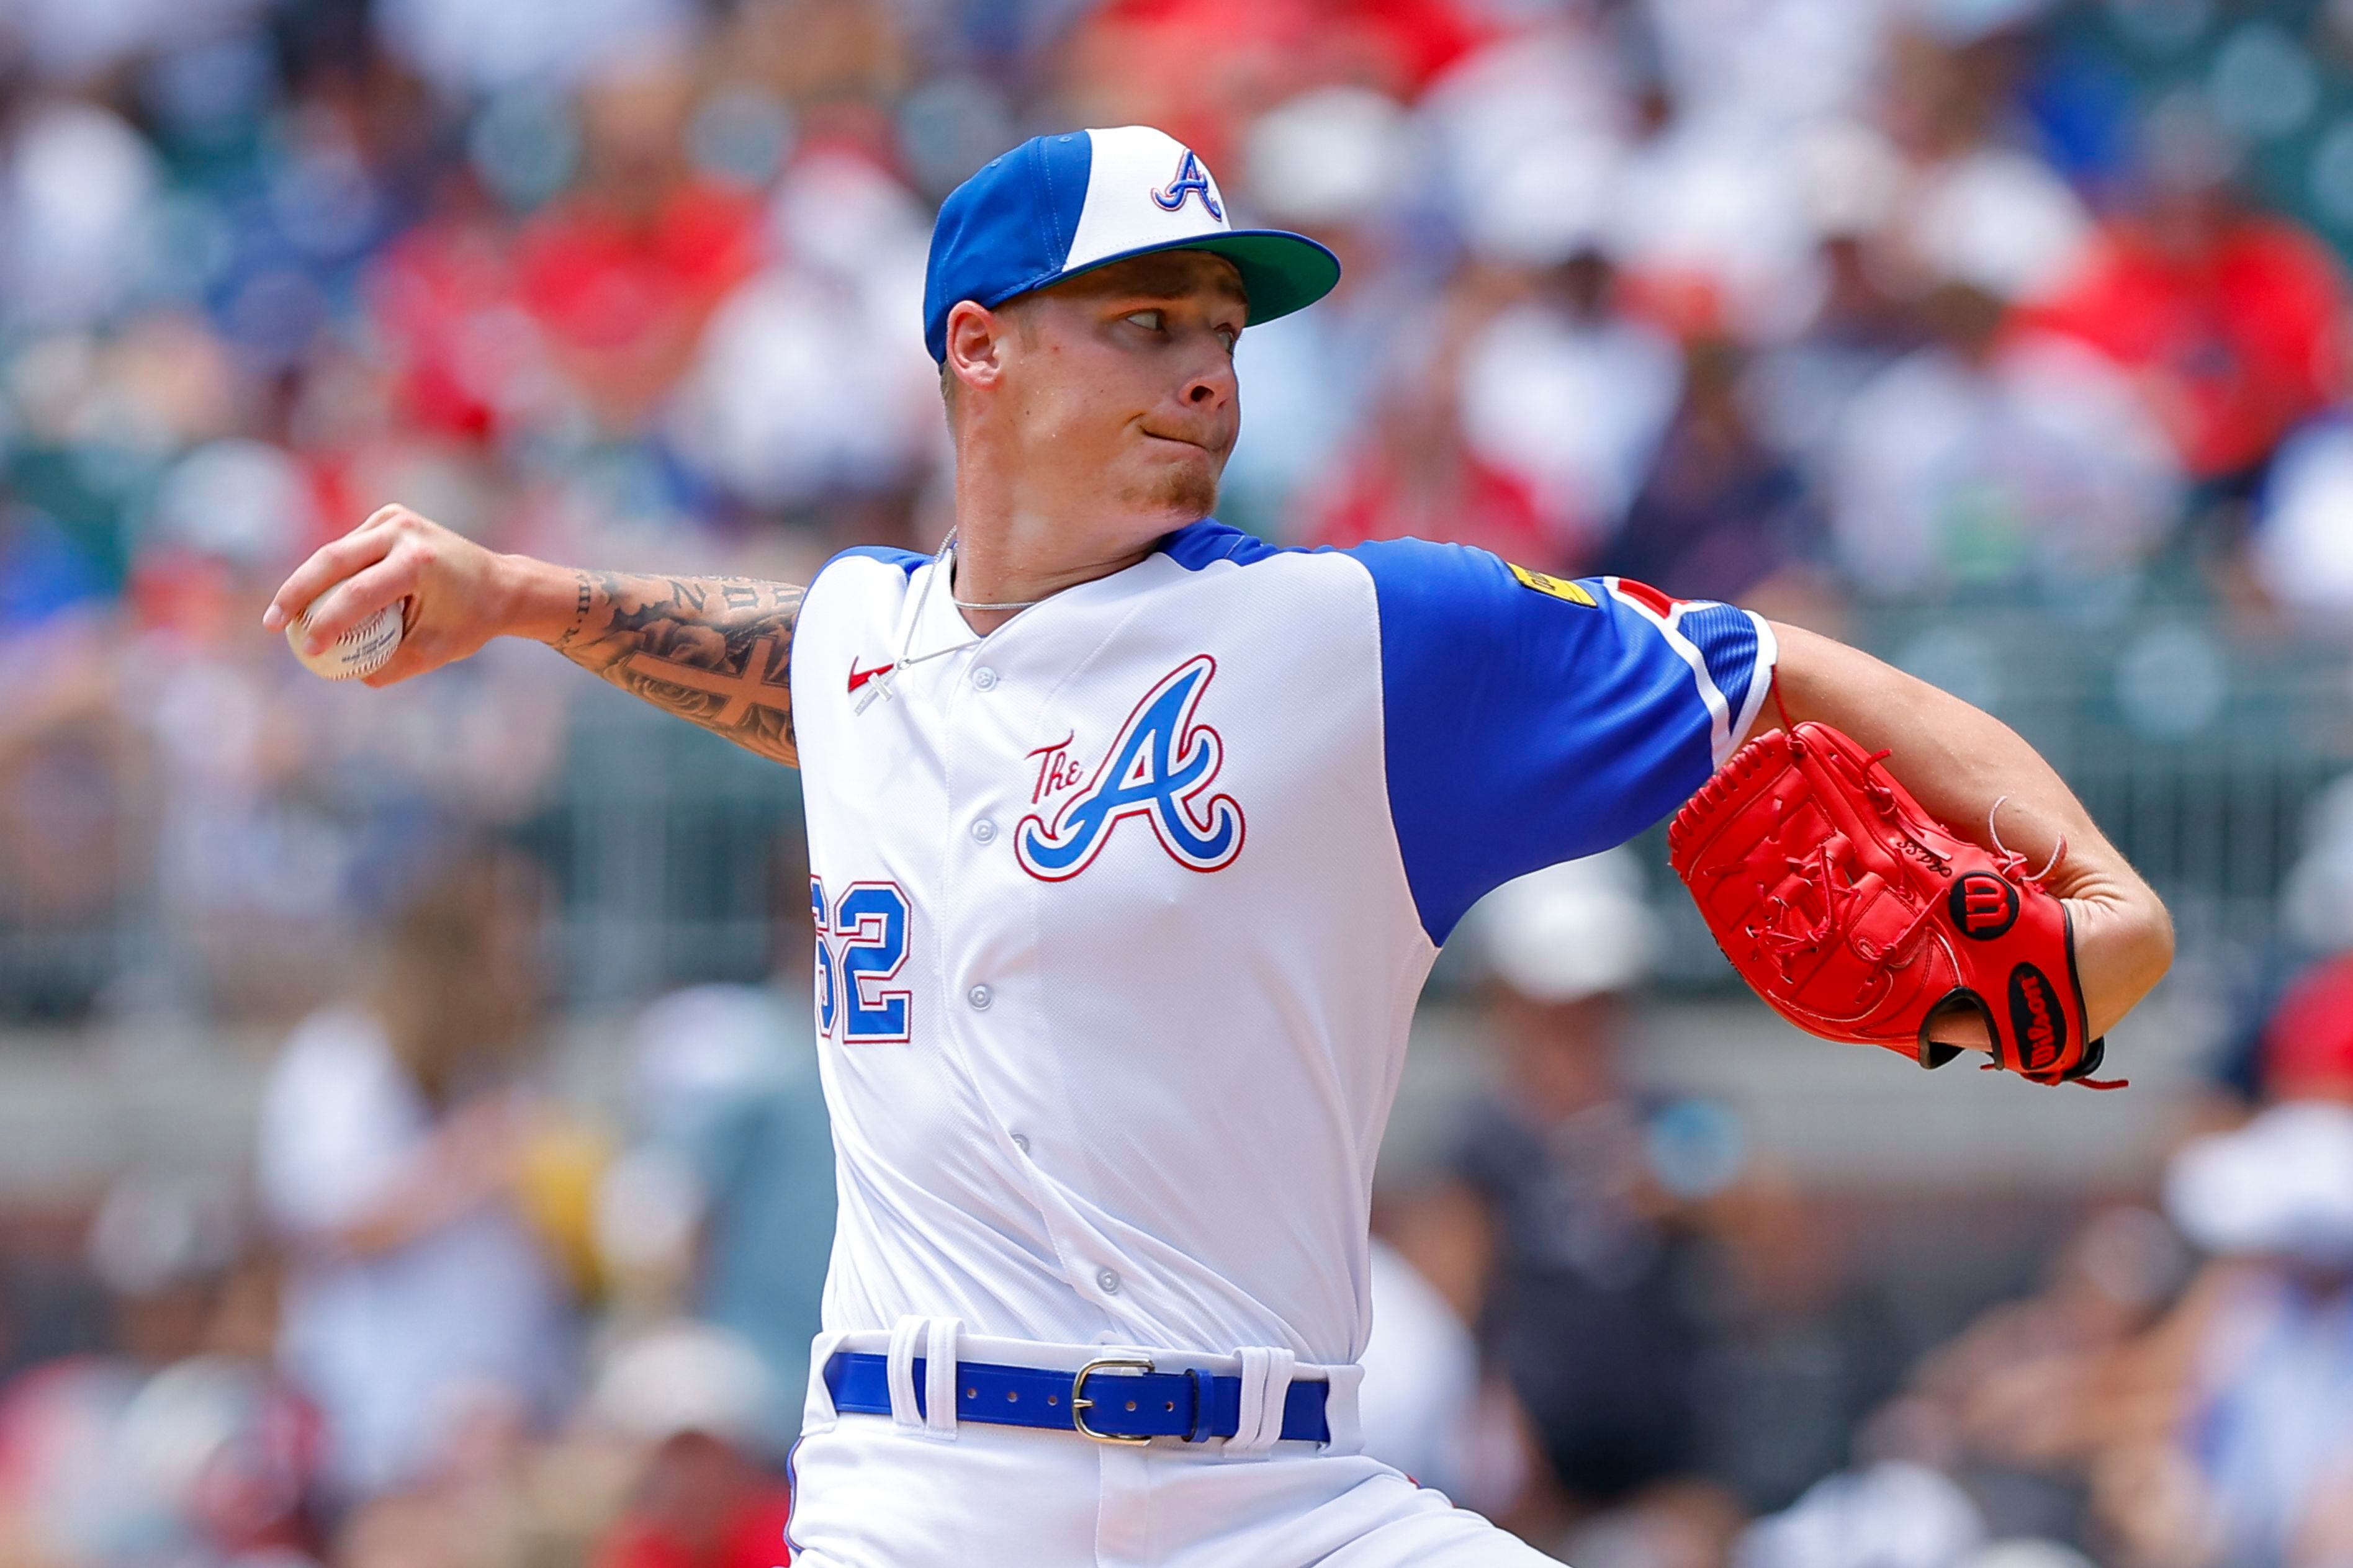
(1529, 720)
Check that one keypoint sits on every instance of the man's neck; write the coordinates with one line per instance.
(1017, 556)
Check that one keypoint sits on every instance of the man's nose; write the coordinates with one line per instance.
(1213, 387)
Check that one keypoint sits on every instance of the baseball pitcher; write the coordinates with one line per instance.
(1133, 838)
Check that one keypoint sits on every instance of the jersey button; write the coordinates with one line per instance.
(1021, 1142)
(980, 996)
(985, 831)
(985, 678)
(1109, 1279)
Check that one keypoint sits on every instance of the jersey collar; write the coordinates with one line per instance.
(939, 627)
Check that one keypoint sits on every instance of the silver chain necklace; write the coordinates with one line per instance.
(943, 562)
(947, 559)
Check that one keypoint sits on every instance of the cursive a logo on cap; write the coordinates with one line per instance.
(1191, 180)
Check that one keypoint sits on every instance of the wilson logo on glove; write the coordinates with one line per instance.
(1983, 906)
(2035, 1018)
(1859, 917)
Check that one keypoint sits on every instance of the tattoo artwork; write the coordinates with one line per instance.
(717, 650)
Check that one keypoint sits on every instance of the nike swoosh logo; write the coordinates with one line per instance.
(858, 677)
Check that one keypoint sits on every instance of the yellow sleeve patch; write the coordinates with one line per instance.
(1559, 587)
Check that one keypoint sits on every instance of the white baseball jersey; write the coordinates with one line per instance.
(1123, 908)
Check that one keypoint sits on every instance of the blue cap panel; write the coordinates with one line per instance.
(1007, 230)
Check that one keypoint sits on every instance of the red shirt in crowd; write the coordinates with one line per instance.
(2308, 1044)
(2236, 336)
(1465, 501)
(753, 1536)
(598, 279)
(1143, 60)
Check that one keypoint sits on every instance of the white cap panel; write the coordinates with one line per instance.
(1143, 187)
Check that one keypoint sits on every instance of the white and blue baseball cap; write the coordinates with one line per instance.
(1059, 206)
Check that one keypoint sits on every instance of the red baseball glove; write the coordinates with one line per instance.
(1862, 918)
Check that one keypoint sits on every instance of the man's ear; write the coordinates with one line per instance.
(975, 341)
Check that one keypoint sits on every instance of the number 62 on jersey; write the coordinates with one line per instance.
(861, 945)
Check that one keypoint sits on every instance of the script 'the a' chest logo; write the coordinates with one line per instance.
(1161, 767)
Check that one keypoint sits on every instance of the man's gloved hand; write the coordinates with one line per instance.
(1861, 918)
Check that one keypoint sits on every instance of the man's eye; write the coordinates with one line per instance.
(1229, 337)
(1149, 319)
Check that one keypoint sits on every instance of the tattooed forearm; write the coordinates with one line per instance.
(579, 614)
(717, 650)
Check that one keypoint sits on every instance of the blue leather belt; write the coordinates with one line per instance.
(1113, 1399)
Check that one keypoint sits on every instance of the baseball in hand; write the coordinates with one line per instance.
(361, 650)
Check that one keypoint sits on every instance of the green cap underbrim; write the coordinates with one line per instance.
(1282, 271)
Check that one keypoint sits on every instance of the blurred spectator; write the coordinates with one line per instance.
(2026, 1393)
(1892, 1515)
(182, 1445)
(2308, 1043)
(1722, 511)
(621, 273)
(1420, 1400)
(1706, 220)
(732, 1184)
(1989, 452)
(73, 207)
(807, 387)
(700, 1400)
(1414, 474)
(421, 1306)
(723, 1208)
(1133, 60)
(462, 51)
(2318, 897)
(1798, 1350)
(68, 855)
(1850, 179)
(1997, 219)
(1564, 392)
(2231, 320)
(2234, 1441)
(2301, 551)
(1338, 164)
(1983, 457)
(1562, 389)
(250, 865)
(1576, 1253)
(1975, 207)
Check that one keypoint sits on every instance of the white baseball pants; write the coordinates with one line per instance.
(905, 1491)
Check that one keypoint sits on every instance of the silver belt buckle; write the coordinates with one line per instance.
(1081, 1404)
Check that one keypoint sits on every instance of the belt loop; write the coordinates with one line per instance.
(940, 1375)
(1205, 1405)
(906, 1336)
(1266, 1380)
(1342, 1412)
(818, 1412)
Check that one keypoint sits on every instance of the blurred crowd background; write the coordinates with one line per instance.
(410, 1152)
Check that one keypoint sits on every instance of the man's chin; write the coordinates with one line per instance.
(1190, 502)
(1173, 496)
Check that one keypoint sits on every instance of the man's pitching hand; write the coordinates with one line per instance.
(459, 595)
